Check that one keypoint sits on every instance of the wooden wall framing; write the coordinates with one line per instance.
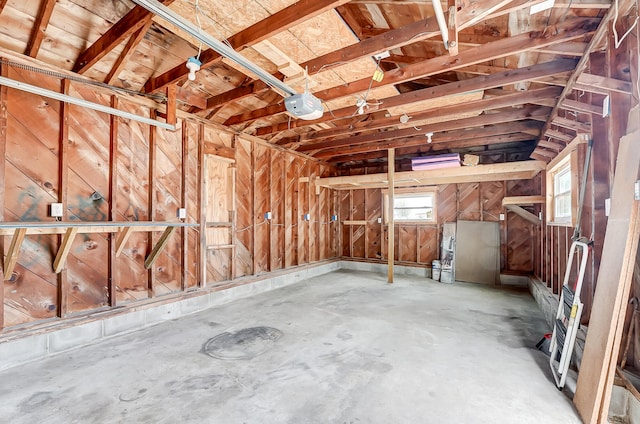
(104, 168)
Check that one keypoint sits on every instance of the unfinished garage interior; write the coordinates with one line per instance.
(322, 211)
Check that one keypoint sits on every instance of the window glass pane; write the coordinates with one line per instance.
(417, 207)
(413, 201)
(563, 181)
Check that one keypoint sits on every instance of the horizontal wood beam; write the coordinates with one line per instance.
(355, 222)
(569, 30)
(484, 137)
(482, 82)
(581, 107)
(522, 200)
(486, 104)
(479, 173)
(569, 124)
(282, 20)
(605, 83)
(490, 139)
(477, 121)
(558, 135)
(577, 141)
(86, 227)
(220, 151)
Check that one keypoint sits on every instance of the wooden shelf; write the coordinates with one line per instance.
(18, 231)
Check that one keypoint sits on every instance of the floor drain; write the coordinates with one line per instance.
(242, 344)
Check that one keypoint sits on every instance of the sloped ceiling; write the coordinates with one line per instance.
(494, 93)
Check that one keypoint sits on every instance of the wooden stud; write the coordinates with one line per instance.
(254, 188)
(122, 238)
(233, 217)
(39, 27)
(13, 252)
(172, 106)
(113, 211)
(390, 219)
(4, 93)
(160, 245)
(184, 195)
(64, 249)
(63, 193)
(151, 200)
(202, 207)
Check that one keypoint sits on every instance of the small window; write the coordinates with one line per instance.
(562, 196)
(412, 206)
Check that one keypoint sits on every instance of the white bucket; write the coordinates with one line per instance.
(435, 270)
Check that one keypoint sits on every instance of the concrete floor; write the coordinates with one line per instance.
(344, 347)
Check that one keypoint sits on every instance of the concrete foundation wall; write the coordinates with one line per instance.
(89, 330)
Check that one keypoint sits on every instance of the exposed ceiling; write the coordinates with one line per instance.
(507, 90)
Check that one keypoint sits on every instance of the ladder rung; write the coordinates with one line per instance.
(561, 333)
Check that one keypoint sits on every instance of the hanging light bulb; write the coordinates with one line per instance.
(193, 65)
(429, 135)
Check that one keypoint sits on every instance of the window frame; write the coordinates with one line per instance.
(567, 164)
(409, 192)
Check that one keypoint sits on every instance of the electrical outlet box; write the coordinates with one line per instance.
(607, 207)
(57, 210)
(267, 215)
(334, 217)
(636, 190)
(501, 217)
(540, 216)
(306, 217)
(182, 213)
(379, 220)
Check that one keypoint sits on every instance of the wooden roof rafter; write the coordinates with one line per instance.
(387, 40)
(478, 83)
(135, 19)
(280, 21)
(481, 128)
(570, 29)
(39, 27)
(459, 139)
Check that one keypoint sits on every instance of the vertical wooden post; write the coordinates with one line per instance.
(4, 92)
(283, 208)
(183, 203)
(307, 210)
(390, 221)
(351, 226)
(270, 254)
(153, 134)
(202, 207)
(172, 105)
(63, 183)
(113, 189)
(254, 244)
(233, 216)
